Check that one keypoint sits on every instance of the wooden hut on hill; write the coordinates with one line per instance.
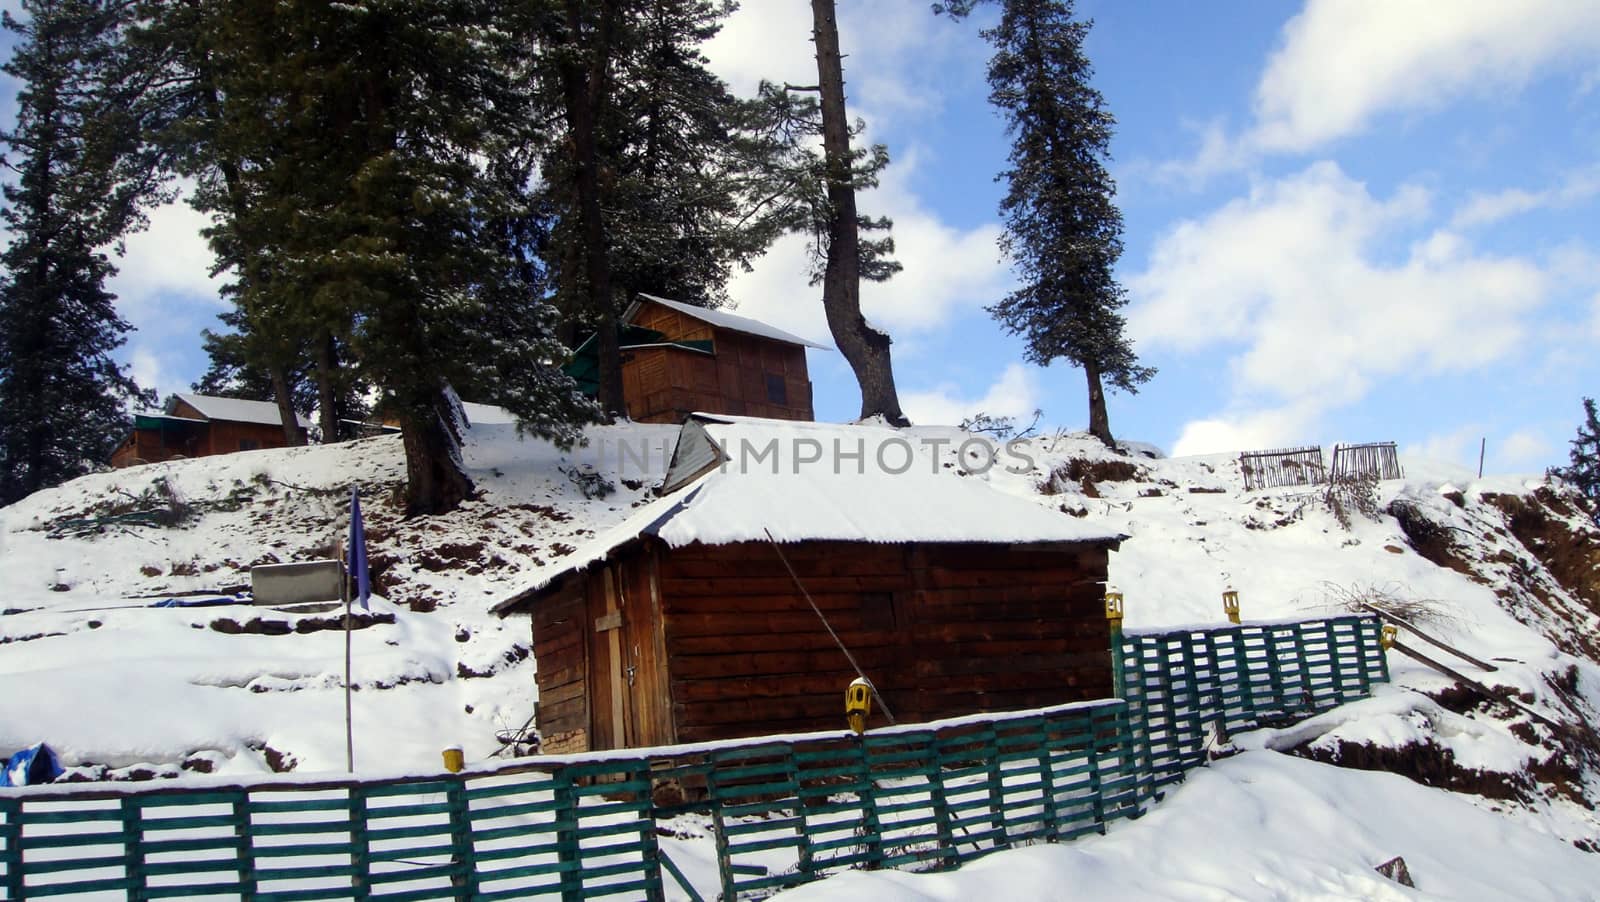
(202, 425)
(678, 358)
(684, 623)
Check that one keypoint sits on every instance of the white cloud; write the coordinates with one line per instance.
(902, 48)
(149, 371)
(1523, 449)
(1246, 430)
(769, 41)
(947, 271)
(1458, 446)
(1014, 394)
(889, 47)
(1343, 62)
(168, 260)
(1308, 285)
(1487, 208)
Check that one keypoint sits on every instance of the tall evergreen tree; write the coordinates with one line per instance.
(678, 161)
(646, 180)
(78, 186)
(1584, 468)
(359, 155)
(1063, 229)
(863, 346)
(188, 48)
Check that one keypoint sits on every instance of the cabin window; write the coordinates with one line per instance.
(777, 389)
(248, 444)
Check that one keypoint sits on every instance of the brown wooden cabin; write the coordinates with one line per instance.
(199, 426)
(645, 641)
(678, 359)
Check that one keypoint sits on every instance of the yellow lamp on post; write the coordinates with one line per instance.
(858, 704)
(1230, 605)
(1387, 637)
(1114, 620)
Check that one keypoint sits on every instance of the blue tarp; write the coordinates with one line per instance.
(31, 766)
(203, 601)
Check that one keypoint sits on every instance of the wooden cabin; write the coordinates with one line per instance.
(684, 623)
(201, 425)
(678, 358)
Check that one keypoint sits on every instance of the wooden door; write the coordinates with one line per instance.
(631, 702)
(608, 665)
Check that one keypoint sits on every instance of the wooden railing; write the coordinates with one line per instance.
(1281, 467)
(1374, 460)
(781, 811)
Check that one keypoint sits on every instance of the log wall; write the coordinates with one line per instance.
(665, 384)
(561, 655)
(942, 630)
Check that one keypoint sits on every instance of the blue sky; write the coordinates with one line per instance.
(1345, 221)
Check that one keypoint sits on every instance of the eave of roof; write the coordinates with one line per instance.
(723, 320)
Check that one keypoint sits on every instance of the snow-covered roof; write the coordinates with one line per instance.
(235, 410)
(487, 414)
(729, 321)
(800, 481)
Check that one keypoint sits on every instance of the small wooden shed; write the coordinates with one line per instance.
(202, 425)
(678, 359)
(684, 623)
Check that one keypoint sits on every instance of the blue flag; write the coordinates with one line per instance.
(358, 552)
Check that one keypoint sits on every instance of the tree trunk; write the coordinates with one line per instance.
(435, 484)
(280, 392)
(865, 348)
(1099, 421)
(327, 392)
(585, 93)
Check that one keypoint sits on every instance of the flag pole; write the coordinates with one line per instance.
(349, 734)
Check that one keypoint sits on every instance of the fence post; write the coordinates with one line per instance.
(1096, 782)
(465, 879)
(719, 827)
(1275, 669)
(1308, 697)
(133, 849)
(360, 854)
(871, 825)
(1197, 728)
(247, 850)
(997, 786)
(941, 806)
(11, 831)
(1047, 781)
(567, 850)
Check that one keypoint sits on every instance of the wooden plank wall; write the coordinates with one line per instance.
(665, 385)
(941, 630)
(560, 633)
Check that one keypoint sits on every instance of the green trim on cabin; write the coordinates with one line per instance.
(584, 366)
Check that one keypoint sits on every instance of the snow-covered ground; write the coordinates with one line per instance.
(124, 690)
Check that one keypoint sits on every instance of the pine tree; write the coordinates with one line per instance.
(648, 182)
(1584, 469)
(358, 158)
(677, 161)
(62, 395)
(1063, 229)
(863, 346)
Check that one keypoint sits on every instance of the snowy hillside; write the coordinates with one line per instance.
(1504, 567)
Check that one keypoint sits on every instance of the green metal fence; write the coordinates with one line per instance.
(1187, 686)
(779, 811)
